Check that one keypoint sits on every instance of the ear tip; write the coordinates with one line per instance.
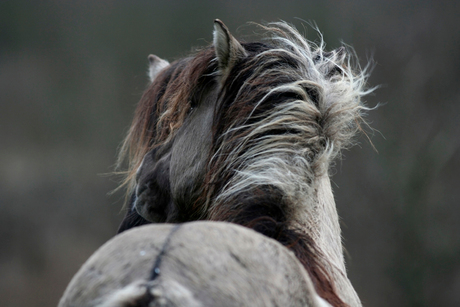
(152, 58)
(219, 24)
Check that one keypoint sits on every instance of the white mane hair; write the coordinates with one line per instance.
(325, 117)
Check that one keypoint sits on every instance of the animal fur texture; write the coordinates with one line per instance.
(204, 264)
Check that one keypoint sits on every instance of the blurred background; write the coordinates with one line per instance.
(71, 73)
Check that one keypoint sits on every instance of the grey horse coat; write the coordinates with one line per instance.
(191, 264)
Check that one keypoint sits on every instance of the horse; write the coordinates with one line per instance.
(247, 132)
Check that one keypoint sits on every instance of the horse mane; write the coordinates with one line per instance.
(163, 107)
(286, 112)
(288, 93)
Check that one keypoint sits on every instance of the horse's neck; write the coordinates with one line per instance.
(323, 226)
(327, 225)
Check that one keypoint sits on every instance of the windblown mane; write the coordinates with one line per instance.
(163, 107)
(285, 111)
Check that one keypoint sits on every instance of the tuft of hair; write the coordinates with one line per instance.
(150, 293)
(288, 111)
(334, 83)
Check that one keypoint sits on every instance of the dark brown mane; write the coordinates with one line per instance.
(164, 105)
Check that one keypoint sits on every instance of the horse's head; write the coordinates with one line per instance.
(236, 119)
(246, 132)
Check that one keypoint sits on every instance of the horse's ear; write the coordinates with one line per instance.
(228, 49)
(155, 66)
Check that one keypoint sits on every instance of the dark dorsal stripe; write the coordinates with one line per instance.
(155, 272)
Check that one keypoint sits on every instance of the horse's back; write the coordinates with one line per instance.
(192, 264)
